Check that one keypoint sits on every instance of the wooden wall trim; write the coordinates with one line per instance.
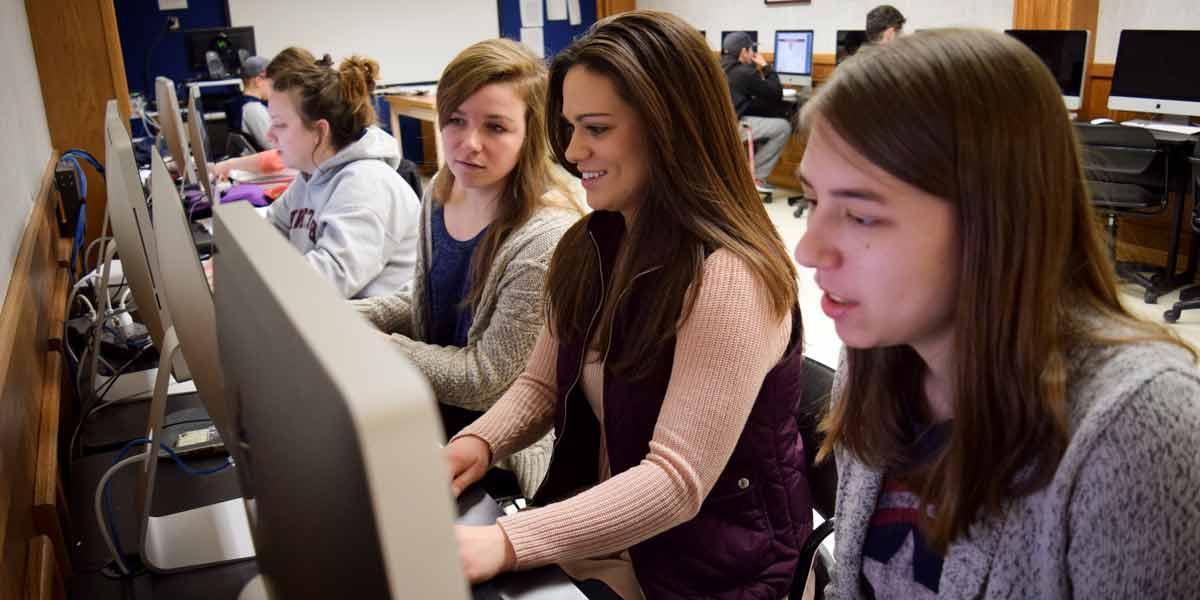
(30, 376)
(116, 57)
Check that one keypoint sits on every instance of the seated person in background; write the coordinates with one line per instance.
(247, 114)
(1003, 426)
(758, 100)
(669, 367)
(884, 24)
(489, 224)
(349, 212)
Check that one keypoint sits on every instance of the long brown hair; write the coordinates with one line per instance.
(975, 118)
(700, 195)
(341, 96)
(534, 175)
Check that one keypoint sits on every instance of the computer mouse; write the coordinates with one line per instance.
(1103, 121)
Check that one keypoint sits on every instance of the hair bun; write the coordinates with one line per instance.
(360, 66)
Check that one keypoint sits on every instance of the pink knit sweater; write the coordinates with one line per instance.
(723, 352)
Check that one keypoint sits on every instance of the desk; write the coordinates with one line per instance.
(177, 491)
(418, 107)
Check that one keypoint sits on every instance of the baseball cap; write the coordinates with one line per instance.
(735, 41)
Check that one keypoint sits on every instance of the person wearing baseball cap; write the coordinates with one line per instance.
(758, 100)
(247, 113)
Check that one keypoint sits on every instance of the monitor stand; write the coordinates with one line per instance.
(255, 590)
(1173, 119)
(208, 535)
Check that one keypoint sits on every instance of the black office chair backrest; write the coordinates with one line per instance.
(408, 171)
(238, 144)
(1119, 154)
(814, 398)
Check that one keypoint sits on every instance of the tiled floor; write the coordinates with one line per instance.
(822, 341)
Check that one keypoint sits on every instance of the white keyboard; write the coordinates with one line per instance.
(1167, 127)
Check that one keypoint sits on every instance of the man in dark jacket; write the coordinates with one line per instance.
(758, 100)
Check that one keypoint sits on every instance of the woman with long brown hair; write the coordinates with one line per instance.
(489, 225)
(1002, 426)
(670, 365)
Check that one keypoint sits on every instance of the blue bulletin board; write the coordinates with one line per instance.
(556, 34)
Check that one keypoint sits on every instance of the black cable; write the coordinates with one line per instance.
(108, 385)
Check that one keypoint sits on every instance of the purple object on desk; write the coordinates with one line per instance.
(254, 194)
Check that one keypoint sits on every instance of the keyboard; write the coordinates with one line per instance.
(1167, 127)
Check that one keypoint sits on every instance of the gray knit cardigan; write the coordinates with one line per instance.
(505, 325)
(1120, 518)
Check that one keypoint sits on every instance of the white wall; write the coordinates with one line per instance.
(1116, 15)
(412, 40)
(825, 17)
(23, 129)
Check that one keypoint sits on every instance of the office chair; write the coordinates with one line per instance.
(1127, 174)
(238, 143)
(767, 195)
(748, 134)
(822, 478)
(411, 175)
(1189, 298)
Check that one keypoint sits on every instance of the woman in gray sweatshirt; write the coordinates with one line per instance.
(349, 212)
(1002, 426)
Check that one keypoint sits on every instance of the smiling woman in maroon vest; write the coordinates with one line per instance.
(669, 368)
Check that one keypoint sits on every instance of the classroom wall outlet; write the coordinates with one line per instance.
(172, 23)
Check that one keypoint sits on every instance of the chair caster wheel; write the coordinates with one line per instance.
(1150, 297)
(1172, 315)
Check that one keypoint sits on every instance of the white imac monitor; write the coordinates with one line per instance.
(130, 219)
(1156, 72)
(1065, 53)
(171, 124)
(198, 142)
(793, 56)
(345, 484)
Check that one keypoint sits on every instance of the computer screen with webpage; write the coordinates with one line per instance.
(793, 52)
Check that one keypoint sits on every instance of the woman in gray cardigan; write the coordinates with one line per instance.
(1002, 426)
(489, 224)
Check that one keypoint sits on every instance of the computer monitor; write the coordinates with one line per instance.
(1156, 72)
(1065, 53)
(198, 141)
(753, 37)
(171, 124)
(231, 46)
(848, 42)
(793, 56)
(346, 486)
(130, 220)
